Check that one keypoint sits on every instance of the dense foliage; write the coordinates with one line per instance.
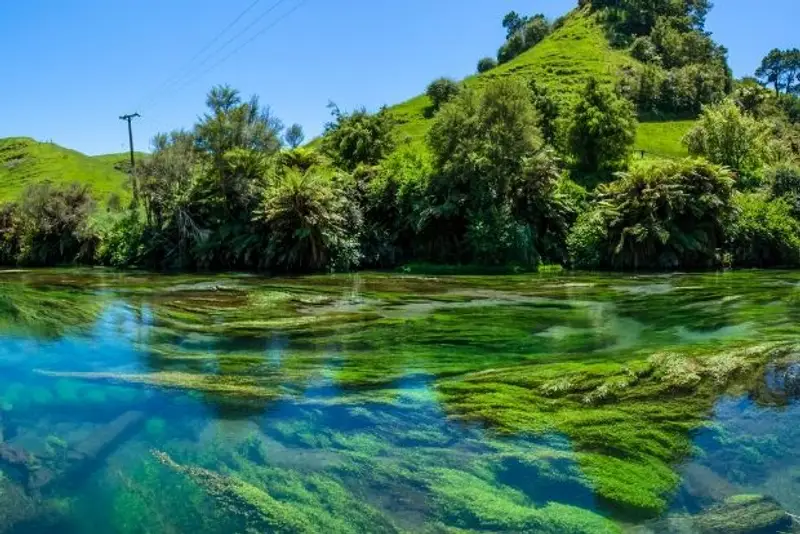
(523, 33)
(602, 131)
(510, 173)
(669, 215)
(442, 91)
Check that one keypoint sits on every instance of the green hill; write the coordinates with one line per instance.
(563, 61)
(24, 161)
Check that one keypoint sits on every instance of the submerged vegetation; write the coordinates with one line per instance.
(396, 403)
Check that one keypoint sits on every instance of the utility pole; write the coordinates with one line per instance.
(129, 118)
(135, 185)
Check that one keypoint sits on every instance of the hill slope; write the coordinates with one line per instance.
(563, 61)
(24, 161)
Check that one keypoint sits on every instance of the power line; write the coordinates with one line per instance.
(191, 67)
(188, 66)
(244, 44)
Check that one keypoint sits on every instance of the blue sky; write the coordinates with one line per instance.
(71, 67)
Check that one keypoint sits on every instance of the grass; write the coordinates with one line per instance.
(663, 139)
(563, 62)
(24, 161)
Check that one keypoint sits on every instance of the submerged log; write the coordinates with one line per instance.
(82, 456)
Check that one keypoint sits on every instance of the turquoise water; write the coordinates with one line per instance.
(392, 403)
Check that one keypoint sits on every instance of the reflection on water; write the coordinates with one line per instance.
(380, 403)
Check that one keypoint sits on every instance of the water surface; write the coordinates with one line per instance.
(132, 403)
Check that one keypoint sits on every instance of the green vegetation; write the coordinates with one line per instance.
(24, 162)
(396, 403)
(530, 162)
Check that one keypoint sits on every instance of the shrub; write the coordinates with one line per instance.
(121, 239)
(645, 51)
(663, 215)
(442, 91)
(306, 216)
(511, 48)
(391, 205)
(764, 233)
(55, 224)
(784, 182)
(535, 30)
(486, 64)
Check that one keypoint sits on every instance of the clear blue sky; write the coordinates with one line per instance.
(71, 67)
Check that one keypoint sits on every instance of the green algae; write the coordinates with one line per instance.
(447, 385)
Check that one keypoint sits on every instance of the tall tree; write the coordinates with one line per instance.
(231, 123)
(781, 69)
(359, 137)
(603, 130)
(513, 22)
(294, 136)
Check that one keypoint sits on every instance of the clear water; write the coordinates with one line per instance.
(387, 403)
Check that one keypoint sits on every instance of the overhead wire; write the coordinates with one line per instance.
(189, 64)
(189, 74)
(244, 44)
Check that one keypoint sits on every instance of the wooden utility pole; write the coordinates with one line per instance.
(129, 118)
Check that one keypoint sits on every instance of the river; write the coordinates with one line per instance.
(564, 403)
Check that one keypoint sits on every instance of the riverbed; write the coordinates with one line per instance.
(563, 403)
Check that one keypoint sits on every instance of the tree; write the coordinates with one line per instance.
(764, 232)
(294, 136)
(306, 216)
(535, 30)
(513, 22)
(602, 131)
(487, 150)
(781, 69)
(727, 136)
(359, 137)
(511, 48)
(231, 123)
(486, 64)
(441, 91)
(548, 111)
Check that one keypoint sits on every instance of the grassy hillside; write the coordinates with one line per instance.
(24, 161)
(563, 62)
(120, 161)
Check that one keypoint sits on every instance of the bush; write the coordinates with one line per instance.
(664, 215)
(391, 204)
(307, 218)
(764, 233)
(442, 91)
(535, 31)
(55, 225)
(645, 51)
(602, 131)
(511, 48)
(121, 239)
(486, 64)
